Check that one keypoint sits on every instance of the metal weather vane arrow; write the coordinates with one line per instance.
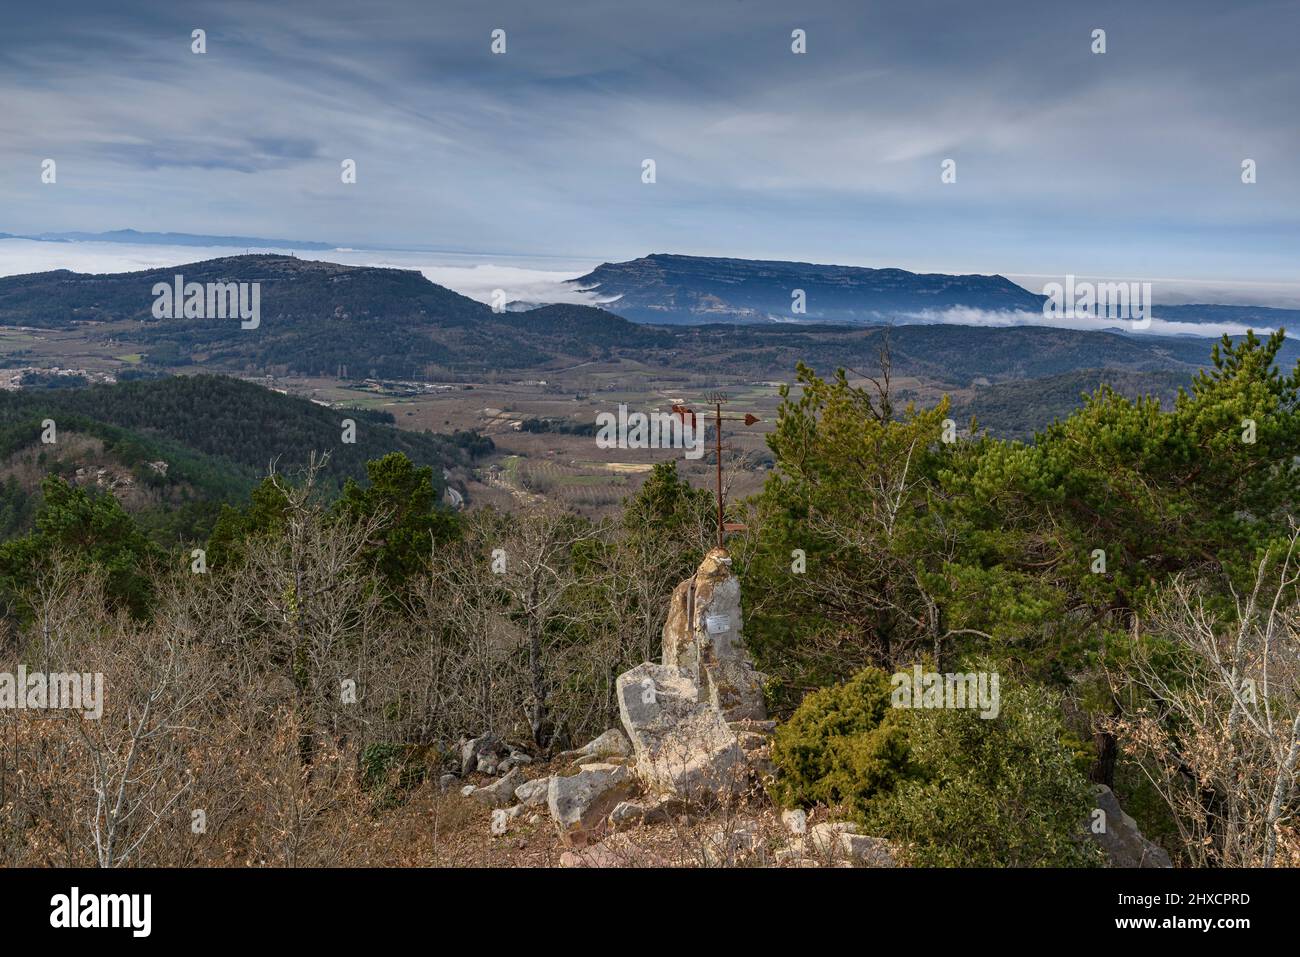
(690, 417)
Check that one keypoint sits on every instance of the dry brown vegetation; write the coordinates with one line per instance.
(1211, 712)
(286, 713)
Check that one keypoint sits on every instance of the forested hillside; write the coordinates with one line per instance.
(216, 437)
(316, 318)
(1130, 578)
(1021, 407)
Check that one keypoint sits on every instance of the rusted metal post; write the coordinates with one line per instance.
(717, 410)
(716, 399)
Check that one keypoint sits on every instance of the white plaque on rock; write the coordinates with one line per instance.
(717, 624)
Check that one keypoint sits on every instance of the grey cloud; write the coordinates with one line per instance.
(1067, 161)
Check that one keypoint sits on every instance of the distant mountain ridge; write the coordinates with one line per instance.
(322, 318)
(317, 317)
(671, 289)
(663, 288)
(1257, 316)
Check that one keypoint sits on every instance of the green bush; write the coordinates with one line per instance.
(999, 792)
(954, 789)
(843, 745)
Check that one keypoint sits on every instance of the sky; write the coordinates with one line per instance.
(1120, 164)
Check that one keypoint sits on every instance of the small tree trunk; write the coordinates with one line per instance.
(1103, 768)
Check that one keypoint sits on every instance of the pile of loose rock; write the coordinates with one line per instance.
(747, 843)
(695, 732)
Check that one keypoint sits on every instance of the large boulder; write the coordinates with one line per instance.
(682, 745)
(1118, 834)
(580, 803)
(702, 636)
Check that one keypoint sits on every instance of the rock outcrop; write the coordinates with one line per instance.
(682, 745)
(532, 793)
(694, 730)
(1118, 834)
(697, 721)
(703, 638)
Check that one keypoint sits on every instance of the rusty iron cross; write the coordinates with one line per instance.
(690, 417)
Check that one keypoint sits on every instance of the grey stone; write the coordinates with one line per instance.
(500, 792)
(682, 745)
(1122, 840)
(703, 637)
(501, 818)
(532, 793)
(627, 814)
(612, 743)
(826, 838)
(796, 821)
(470, 751)
(841, 842)
(580, 803)
(631, 813)
(868, 851)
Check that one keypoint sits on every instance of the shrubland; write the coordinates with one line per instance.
(1130, 575)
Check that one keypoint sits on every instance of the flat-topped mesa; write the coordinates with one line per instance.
(702, 637)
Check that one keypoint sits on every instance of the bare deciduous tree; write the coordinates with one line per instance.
(1211, 707)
